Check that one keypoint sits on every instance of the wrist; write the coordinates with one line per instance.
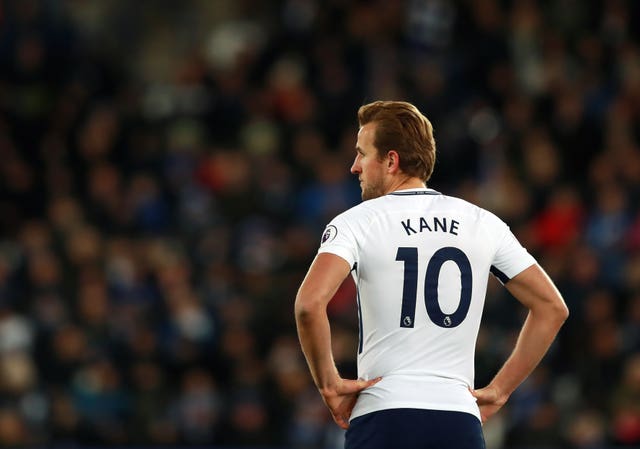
(501, 394)
(328, 385)
(327, 390)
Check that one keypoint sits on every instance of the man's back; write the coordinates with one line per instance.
(421, 262)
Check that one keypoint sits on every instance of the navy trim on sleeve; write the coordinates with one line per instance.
(360, 331)
(500, 275)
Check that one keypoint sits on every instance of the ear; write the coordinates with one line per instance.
(393, 161)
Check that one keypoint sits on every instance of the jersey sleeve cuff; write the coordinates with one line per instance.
(339, 251)
(505, 275)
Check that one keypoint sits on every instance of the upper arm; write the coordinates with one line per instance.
(325, 275)
(535, 290)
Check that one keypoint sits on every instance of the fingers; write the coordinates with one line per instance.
(356, 386)
(488, 401)
(343, 398)
(341, 411)
(342, 422)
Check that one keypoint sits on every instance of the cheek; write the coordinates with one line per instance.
(374, 170)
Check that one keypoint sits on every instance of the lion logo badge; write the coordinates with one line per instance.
(329, 234)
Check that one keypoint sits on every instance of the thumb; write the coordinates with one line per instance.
(357, 386)
(370, 382)
(484, 395)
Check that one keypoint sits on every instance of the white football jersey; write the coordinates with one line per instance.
(420, 261)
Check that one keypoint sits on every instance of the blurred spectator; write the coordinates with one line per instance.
(151, 402)
(559, 224)
(167, 172)
(197, 408)
(626, 404)
(99, 396)
(586, 430)
(606, 227)
(631, 324)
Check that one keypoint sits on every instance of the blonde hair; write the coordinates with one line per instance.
(401, 127)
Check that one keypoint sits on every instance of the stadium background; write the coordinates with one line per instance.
(167, 169)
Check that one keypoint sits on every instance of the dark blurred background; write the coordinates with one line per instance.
(167, 168)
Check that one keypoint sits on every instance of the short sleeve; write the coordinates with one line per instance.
(511, 258)
(338, 238)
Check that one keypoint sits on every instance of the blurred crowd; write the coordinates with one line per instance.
(167, 169)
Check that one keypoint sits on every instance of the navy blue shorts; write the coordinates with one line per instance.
(415, 429)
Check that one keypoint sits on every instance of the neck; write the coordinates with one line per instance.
(407, 183)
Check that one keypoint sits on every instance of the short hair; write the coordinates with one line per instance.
(401, 127)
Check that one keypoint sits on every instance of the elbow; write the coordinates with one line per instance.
(552, 311)
(301, 312)
(564, 312)
(305, 309)
(560, 311)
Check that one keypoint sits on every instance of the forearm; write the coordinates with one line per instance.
(315, 339)
(547, 312)
(536, 336)
(325, 275)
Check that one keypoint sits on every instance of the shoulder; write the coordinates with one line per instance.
(362, 212)
(472, 209)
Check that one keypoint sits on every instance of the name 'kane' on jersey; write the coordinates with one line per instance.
(421, 262)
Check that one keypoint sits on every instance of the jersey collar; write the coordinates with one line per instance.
(417, 191)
